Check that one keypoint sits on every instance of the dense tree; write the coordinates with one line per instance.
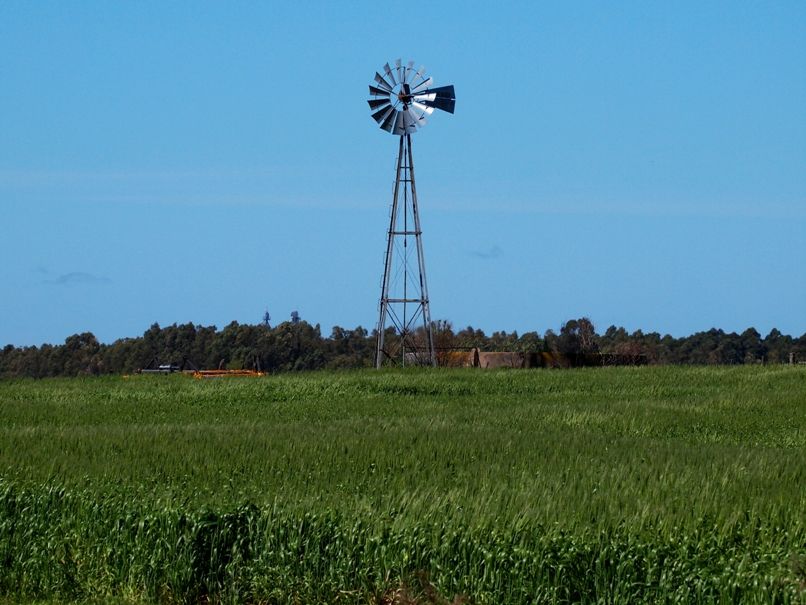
(350, 348)
(577, 337)
(778, 346)
(469, 338)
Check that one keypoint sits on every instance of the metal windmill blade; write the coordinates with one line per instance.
(417, 118)
(427, 111)
(423, 85)
(381, 115)
(388, 71)
(378, 92)
(378, 103)
(399, 70)
(408, 73)
(409, 121)
(383, 83)
(389, 121)
(399, 128)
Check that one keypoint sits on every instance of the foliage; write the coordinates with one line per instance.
(296, 347)
(630, 485)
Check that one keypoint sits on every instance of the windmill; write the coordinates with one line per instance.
(402, 98)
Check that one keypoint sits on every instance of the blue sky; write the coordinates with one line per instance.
(641, 163)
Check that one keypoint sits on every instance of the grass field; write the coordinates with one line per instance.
(631, 485)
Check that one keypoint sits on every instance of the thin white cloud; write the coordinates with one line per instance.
(491, 253)
(78, 278)
(769, 210)
(44, 177)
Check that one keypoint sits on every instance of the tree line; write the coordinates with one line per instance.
(301, 346)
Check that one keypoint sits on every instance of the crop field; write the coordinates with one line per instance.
(606, 485)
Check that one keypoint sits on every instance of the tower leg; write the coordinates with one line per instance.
(404, 303)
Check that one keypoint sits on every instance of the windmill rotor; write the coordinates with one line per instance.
(403, 97)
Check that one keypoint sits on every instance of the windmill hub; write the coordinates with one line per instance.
(403, 93)
(402, 98)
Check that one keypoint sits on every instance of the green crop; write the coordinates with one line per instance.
(628, 485)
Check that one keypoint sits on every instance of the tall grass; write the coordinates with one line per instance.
(598, 485)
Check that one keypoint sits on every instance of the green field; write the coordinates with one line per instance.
(630, 485)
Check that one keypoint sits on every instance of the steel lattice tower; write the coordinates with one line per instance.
(406, 306)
